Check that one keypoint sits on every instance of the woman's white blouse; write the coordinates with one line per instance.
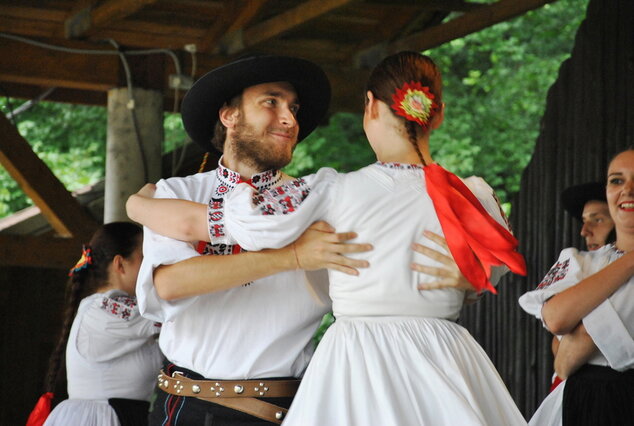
(611, 324)
(362, 202)
(112, 351)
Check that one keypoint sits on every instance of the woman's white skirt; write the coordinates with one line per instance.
(83, 412)
(401, 371)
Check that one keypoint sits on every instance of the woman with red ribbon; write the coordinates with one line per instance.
(395, 355)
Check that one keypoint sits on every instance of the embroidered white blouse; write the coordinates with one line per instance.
(260, 329)
(611, 324)
(112, 350)
(387, 205)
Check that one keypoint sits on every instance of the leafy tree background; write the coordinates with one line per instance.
(495, 85)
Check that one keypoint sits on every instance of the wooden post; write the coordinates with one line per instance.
(133, 153)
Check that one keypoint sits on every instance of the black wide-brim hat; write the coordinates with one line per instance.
(202, 102)
(575, 197)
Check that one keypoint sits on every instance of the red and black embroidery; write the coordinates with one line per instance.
(228, 180)
(119, 306)
(282, 199)
(556, 273)
(400, 166)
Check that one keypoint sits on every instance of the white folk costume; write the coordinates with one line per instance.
(611, 324)
(112, 352)
(262, 329)
(394, 355)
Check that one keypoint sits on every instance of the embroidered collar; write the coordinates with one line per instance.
(228, 179)
(400, 166)
(615, 250)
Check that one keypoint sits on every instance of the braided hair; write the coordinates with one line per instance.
(396, 70)
(116, 238)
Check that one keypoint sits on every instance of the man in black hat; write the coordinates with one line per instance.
(237, 329)
(587, 203)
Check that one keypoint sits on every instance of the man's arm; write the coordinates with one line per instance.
(319, 247)
(178, 219)
(575, 349)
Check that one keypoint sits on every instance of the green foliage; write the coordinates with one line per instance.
(70, 139)
(341, 145)
(326, 322)
(495, 86)
(175, 135)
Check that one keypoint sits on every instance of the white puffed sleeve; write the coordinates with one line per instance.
(111, 327)
(160, 250)
(565, 273)
(611, 336)
(276, 217)
(486, 195)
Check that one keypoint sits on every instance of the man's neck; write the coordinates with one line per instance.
(245, 169)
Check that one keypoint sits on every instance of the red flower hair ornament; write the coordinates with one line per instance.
(415, 102)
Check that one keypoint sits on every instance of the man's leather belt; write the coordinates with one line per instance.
(235, 394)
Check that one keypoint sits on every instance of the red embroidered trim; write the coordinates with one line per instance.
(282, 199)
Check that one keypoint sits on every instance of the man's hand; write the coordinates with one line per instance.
(449, 276)
(575, 349)
(320, 247)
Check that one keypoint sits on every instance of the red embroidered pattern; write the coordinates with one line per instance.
(556, 273)
(119, 306)
(282, 199)
(228, 180)
(400, 166)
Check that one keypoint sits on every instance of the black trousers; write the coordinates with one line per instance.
(131, 412)
(597, 395)
(172, 410)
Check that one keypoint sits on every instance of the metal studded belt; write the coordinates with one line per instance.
(235, 394)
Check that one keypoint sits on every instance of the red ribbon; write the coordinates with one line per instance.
(41, 410)
(476, 241)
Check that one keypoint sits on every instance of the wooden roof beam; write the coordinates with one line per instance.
(26, 251)
(58, 206)
(236, 15)
(49, 68)
(87, 19)
(239, 40)
(468, 23)
(451, 5)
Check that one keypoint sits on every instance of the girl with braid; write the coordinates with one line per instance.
(111, 351)
(394, 355)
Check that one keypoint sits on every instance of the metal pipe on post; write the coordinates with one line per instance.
(133, 146)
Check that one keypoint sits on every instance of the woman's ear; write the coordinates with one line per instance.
(438, 118)
(228, 116)
(371, 105)
(117, 264)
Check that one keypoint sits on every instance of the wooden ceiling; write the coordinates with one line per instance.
(76, 50)
(81, 59)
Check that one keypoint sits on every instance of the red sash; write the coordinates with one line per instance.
(476, 241)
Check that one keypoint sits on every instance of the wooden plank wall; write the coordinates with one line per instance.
(589, 117)
(33, 299)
